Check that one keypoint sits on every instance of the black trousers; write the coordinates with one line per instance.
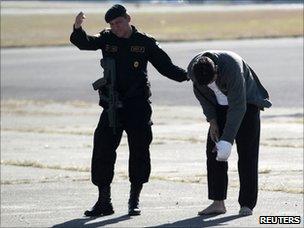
(247, 142)
(135, 119)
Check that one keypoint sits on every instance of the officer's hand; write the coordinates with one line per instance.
(188, 77)
(79, 20)
(214, 131)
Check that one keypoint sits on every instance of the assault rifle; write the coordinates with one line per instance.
(106, 87)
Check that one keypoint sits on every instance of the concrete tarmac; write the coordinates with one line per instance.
(163, 204)
(48, 116)
(45, 169)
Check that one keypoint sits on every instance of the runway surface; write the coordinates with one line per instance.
(65, 73)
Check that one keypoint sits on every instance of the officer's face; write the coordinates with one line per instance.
(120, 26)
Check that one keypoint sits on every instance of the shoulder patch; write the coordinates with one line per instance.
(148, 39)
(145, 35)
(149, 36)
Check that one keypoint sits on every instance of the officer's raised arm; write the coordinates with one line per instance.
(79, 20)
(162, 62)
(80, 38)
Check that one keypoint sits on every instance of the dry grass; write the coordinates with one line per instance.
(35, 164)
(40, 30)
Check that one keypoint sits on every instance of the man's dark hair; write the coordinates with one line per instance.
(204, 70)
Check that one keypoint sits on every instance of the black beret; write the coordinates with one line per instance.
(115, 11)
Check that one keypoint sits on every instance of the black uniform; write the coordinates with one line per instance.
(131, 56)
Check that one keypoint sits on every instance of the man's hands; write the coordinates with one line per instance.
(223, 149)
(214, 131)
(79, 20)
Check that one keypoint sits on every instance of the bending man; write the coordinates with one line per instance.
(231, 96)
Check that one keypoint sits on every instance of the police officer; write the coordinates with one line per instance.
(131, 51)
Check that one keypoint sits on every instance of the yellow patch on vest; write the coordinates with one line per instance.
(139, 49)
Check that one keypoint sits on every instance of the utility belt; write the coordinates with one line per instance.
(136, 92)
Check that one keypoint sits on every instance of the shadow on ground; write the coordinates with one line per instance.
(201, 221)
(198, 221)
(88, 222)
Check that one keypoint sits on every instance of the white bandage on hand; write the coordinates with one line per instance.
(223, 149)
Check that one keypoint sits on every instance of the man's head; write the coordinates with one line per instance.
(119, 21)
(204, 70)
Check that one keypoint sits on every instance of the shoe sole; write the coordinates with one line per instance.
(101, 214)
(134, 213)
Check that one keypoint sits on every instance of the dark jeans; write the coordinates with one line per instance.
(134, 118)
(247, 141)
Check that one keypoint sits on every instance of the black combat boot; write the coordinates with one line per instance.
(103, 206)
(134, 199)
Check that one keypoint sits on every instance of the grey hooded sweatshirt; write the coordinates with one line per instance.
(238, 82)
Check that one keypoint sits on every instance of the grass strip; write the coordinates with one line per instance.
(49, 30)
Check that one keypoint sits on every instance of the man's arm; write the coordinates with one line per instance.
(80, 38)
(236, 99)
(162, 62)
(208, 107)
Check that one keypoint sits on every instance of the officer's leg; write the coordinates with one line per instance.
(247, 140)
(139, 134)
(104, 152)
(103, 160)
(139, 140)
